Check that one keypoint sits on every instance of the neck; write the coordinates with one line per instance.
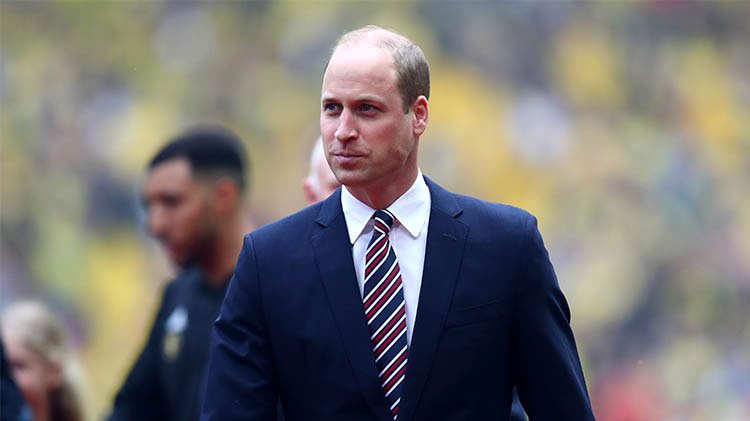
(219, 262)
(382, 195)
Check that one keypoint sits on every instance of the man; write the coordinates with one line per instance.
(320, 182)
(393, 298)
(193, 194)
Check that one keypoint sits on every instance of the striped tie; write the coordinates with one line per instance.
(384, 308)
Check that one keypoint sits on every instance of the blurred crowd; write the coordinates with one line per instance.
(624, 126)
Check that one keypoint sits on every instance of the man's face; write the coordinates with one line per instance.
(179, 210)
(368, 139)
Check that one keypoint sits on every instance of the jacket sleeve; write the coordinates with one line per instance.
(547, 370)
(241, 381)
(140, 396)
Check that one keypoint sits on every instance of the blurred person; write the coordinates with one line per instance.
(193, 195)
(12, 405)
(320, 182)
(393, 298)
(42, 362)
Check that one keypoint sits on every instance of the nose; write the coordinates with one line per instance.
(347, 128)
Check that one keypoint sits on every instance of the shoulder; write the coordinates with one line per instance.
(494, 212)
(487, 216)
(497, 222)
(506, 218)
(289, 233)
(288, 228)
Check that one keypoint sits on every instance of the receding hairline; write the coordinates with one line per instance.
(385, 39)
(375, 35)
(407, 59)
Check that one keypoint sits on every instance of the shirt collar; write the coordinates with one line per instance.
(411, 209)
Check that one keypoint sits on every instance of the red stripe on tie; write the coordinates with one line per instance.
(384, 298)
(383, 285)
(390, 339)
(381, 226)
(393, 367)
(395, 410)
(390, 384)
(375, 262)
(376, 248)
(395, 318)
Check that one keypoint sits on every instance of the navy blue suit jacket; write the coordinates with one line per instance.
(491, 316)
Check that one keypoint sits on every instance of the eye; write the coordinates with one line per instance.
(330, 107)
(367, 108)
(170, 201)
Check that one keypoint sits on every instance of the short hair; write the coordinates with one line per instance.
(411, 66)
(210, 150)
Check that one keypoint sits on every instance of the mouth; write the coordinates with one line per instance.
(347, 154)
(346, 159)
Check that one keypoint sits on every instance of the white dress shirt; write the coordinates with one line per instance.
(408, 237)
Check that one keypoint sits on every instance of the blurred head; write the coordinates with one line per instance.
(193, 188)
(374, 108)
(320, 182)
(41, 361)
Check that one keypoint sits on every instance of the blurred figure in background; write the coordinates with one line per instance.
(320, 182)
(193, 196)
(41, 363)
(12, 405)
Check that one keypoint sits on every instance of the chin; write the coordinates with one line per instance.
(180, 261)
(350, 178)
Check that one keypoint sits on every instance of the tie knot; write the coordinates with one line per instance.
(385, 218)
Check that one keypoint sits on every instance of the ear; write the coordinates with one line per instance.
(226, 195)
(421, 115)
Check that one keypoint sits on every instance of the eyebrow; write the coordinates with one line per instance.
(364, 98)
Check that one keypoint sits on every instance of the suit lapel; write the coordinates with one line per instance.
(333, 255)
(446, 239)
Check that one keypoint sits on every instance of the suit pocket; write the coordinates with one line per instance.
(480, 313)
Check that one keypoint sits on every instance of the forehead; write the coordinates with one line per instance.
(359, 67)
(15, 345)
(174, 174)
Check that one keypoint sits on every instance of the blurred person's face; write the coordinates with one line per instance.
(321, 183)
(368, 140)
(35, 376)
(180, 211)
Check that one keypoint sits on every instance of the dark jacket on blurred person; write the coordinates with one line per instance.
(166, 380)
